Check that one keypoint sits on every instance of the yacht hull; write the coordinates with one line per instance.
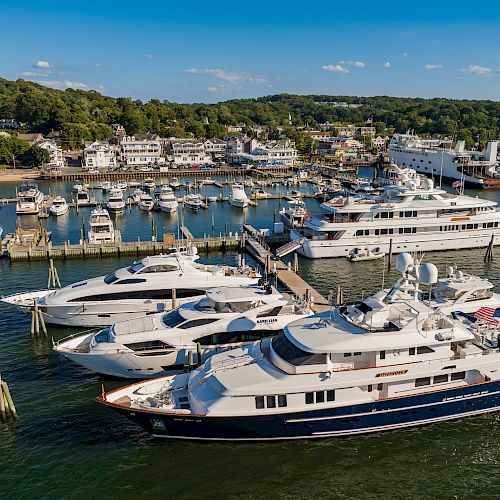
(317, 249)
(387, 414)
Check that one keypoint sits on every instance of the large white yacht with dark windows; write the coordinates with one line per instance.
(416, 354)
(29, 199)
(433, 157)
(412, 214)
(157, 344)
(144, 288)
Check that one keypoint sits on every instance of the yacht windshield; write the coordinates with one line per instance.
(173, 319)
(110, 279)
(293, 354)
(135, 267)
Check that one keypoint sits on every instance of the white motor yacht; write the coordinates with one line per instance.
(59, 206)
(149, 183)
(174, 183)
(83, 198)
(193, 201)
(134, 184)
(295, 214)
(392, 361)
(122, 184)
(168, 201)
(141, 289)
(29, 199)
(151, 346)
(115, 203)
(146, 202)
(101, 229)
(239, 198)
(106, 185)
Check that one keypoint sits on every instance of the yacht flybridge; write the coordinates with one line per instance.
(413, 214)
(144, 288)
(153, 345)
(403, 357)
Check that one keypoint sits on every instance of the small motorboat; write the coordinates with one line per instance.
(359, 254)
(134, 184)
(149, 183)
(174, 183)
(146, 202)
(59, 206)
(106, 185)
(193, 201)
(122, 184)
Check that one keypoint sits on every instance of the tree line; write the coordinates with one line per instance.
(88, 115)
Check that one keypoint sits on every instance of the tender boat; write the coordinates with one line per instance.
(167, 201)
(392, 361)
(115, 203)
(29, 199)
(359, 254)
(239, 198)
(59, 206)
(101, 229)
(154, 345)
(146, 202)
(193, 201)
(149, 183)
(142, 289)
(174, 183)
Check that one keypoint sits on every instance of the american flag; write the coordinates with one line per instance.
(487, 314)
(457, 184)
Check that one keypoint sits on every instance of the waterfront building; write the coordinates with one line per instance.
(269, 153)
(31, 138)
(188, 152)
(215, 146)
(144, 152)
(99, 154)
(55, 152)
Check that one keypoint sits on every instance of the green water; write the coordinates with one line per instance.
(65, 445)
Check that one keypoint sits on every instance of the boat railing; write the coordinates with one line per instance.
(75, 335)
(226, 364)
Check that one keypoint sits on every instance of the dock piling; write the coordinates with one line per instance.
(488, 256)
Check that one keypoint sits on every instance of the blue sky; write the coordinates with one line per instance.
(195, 51)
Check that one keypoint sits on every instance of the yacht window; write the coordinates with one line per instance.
(198, 322)
(357, 354)
(152, 344)
(135, 267)
(102, 336)
(364, 307)
(320, 396)
(234, 337)
(294, 355)
(370, 388)
(380, 387)
(282, 400)
(458, 376)
(347, 354)
(186, 293)
(382, 354)
(130, 281)
(330, 395)
(420, 382)
(259, 402)
(172, 318)
(411, 351)
(423, 349)
(439, 379)
(110, 279)
(160, 294)
(164, 268)
(270, 312)
(309, 398)
(271, 401)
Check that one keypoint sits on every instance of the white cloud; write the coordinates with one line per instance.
(356, 64)
(148, 56)
(387, 64)
(232, 77)
(337, 68)
(42, 64)
(433, 66)
(67, 84)
(405, 54)
(32, 74)
(477, 70)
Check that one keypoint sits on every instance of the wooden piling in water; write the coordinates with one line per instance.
(390, 255)
(488, 256)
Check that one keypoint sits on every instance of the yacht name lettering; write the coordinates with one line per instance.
(269, 320)
(390, 374)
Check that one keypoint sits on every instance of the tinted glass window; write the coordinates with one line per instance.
(439, 379)
(294, 355)
(330, 395)
(129, 281)
(420, 382)
(282, 400)
(234, 337)
(137, 266)
(320, 397)
(259, 402)
(152, 344)
(458, 376)
(423, 349)
(110, 279)
(198, 322)
(271, 401)
(172, 318)
(309, 398)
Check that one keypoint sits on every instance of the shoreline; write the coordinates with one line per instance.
(18, 176)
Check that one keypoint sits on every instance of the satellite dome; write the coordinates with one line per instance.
(428, 184)
(428, 274)
(403, 262)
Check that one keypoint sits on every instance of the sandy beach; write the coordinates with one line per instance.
(18, 176)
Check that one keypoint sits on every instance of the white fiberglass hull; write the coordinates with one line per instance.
(62, 210)
(239, 203)
(168, 207)
(319, 249)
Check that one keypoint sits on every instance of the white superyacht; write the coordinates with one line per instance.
(415, 215)
(144, 288)
(153, 345)
(392, 361)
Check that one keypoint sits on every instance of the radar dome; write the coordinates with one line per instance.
(428, 274)
(428, 184)
(403, 262)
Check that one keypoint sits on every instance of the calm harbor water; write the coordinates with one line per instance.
(65, 445)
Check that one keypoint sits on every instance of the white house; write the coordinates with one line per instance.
(140, 152)
(99, 155)
(55, 152)
(188, 152)
(270, 153)
(215, 146)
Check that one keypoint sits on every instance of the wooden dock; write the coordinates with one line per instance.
(259, 249)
